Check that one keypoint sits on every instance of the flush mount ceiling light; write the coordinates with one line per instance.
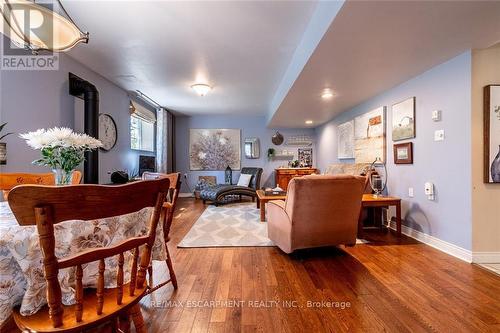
(201, 89)
(309, 122)
(327, 93)
(40, 25)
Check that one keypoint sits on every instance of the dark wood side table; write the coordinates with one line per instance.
(262, 199)
(384, 201)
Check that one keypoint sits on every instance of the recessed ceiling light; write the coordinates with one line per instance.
(327, 94)
(309, 122)
(201, 89)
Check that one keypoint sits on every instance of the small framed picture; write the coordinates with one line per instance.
(403, 153)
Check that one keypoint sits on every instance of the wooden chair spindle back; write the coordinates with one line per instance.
(49, 205)
(9, 180)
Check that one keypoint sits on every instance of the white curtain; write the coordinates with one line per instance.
(164, 141)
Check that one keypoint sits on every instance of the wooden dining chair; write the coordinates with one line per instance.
(167, 217)
(45, 206)
(9, 180)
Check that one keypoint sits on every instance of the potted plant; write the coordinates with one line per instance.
(271, 152)
(62, 150)
(3, 145)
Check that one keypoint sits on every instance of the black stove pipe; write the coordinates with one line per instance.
(85, 90)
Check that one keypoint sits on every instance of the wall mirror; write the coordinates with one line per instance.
(252, 148)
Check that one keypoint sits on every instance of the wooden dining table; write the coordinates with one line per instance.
(22, 281)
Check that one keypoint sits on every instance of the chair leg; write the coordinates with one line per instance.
(124, 323)
(115, 325)
(169, 259)
(171, 268)
(136, 314)
(150, 274)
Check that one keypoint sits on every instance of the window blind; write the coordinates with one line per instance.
(141, 112)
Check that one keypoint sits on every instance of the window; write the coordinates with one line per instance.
(142, 128)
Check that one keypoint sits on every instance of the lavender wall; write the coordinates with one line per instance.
(447, 163)
(251, 126)
(39, 99)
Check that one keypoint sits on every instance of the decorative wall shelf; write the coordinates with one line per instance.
(299, 141)
(281, 157)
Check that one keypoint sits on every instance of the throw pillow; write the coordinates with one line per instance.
(244, 180)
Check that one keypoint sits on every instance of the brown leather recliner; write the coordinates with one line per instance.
(319, 210)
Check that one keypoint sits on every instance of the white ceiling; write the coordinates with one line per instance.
(372, 46)
(242, 49)
(245, 50)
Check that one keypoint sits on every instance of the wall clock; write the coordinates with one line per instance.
(107, 131)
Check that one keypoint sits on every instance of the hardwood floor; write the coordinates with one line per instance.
(390, 284)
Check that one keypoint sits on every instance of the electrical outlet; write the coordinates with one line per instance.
(410, 192)
(439, 135)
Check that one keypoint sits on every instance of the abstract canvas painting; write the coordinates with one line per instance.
(403, 120)
(369, 136)
(346, 140)
(492, 134)
(214, 149)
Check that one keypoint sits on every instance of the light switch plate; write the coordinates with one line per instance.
(436, 115)
(410, 192)
(439, 135)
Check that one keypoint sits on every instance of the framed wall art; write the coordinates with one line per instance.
(345, 137)
(214, 149)
(369, 136)
(403, 153)
(403, 120)
(491, 172)
(305, 157)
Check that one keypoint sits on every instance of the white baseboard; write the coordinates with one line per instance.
(486, 257)
(186, 195)
(436, 243)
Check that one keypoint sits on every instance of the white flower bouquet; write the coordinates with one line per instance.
(62, 150)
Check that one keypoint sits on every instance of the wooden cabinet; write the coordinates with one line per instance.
(284, 175)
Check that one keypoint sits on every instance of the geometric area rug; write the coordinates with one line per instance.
(231, 225)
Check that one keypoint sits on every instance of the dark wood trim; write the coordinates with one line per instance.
(409, 146)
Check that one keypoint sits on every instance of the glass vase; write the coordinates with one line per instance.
(495, 168)
(62, 177)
